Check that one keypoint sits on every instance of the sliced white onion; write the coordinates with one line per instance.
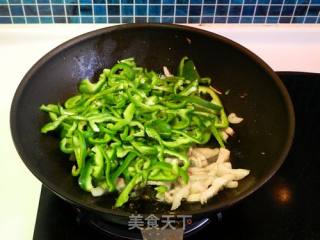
(197, 170)
(224, 155)
(194, 197)
(240, 173)
(199, 177)
(237, 174)
(210, 153)
(229, 131)
(168, 197)
(197, 187)
(120, 184)
(212, 166)
(232, 184)
(177, 198)
(97, 192)
(224, 135)
(227, 165)
(166, 72)
(234, 119)
(156, 183)
(206, 178)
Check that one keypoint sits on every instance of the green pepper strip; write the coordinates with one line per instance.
(161, 189)
(124, 135)
(162, 127)
(73, 101)
(178, 142)
(144, 149)
(130, 157)
(181, 156)
(192, 88)
(124, 195)
(64, 145)
(107, 138)
(136, 100)
(139, 165)
(164, 177)
(80, 151)
(88, 87)
(191, 139)
(168, 172)
(109, 157)
(129, 112)
(184, 175)
(98, 161)
(172, 105)
(199, 101)
(53, 116)
(103, 93)
(178, 85)
(71, 129)
(153, 133)
(50, 108)
(187, 69)
(85, 179)
(185, 119)
(94, 126)
(53, 125)
(122, 151)
(223, 123)
(162, 165)
(120, 124)
(217, 135)
(127, 71)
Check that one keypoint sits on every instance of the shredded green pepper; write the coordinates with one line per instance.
(127, 123)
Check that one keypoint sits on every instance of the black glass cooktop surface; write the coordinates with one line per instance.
(286, 207)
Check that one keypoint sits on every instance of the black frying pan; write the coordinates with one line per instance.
(261, 143)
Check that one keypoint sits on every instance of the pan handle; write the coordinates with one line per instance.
(162, 234)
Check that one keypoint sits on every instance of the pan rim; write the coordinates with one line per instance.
(83, 37)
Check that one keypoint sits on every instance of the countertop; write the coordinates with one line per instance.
(283, 47)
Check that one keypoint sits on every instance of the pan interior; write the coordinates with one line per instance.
(260, 143)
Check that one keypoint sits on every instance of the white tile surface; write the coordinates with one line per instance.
(295, 48)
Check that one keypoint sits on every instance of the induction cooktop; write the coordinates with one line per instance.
(286, 207)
